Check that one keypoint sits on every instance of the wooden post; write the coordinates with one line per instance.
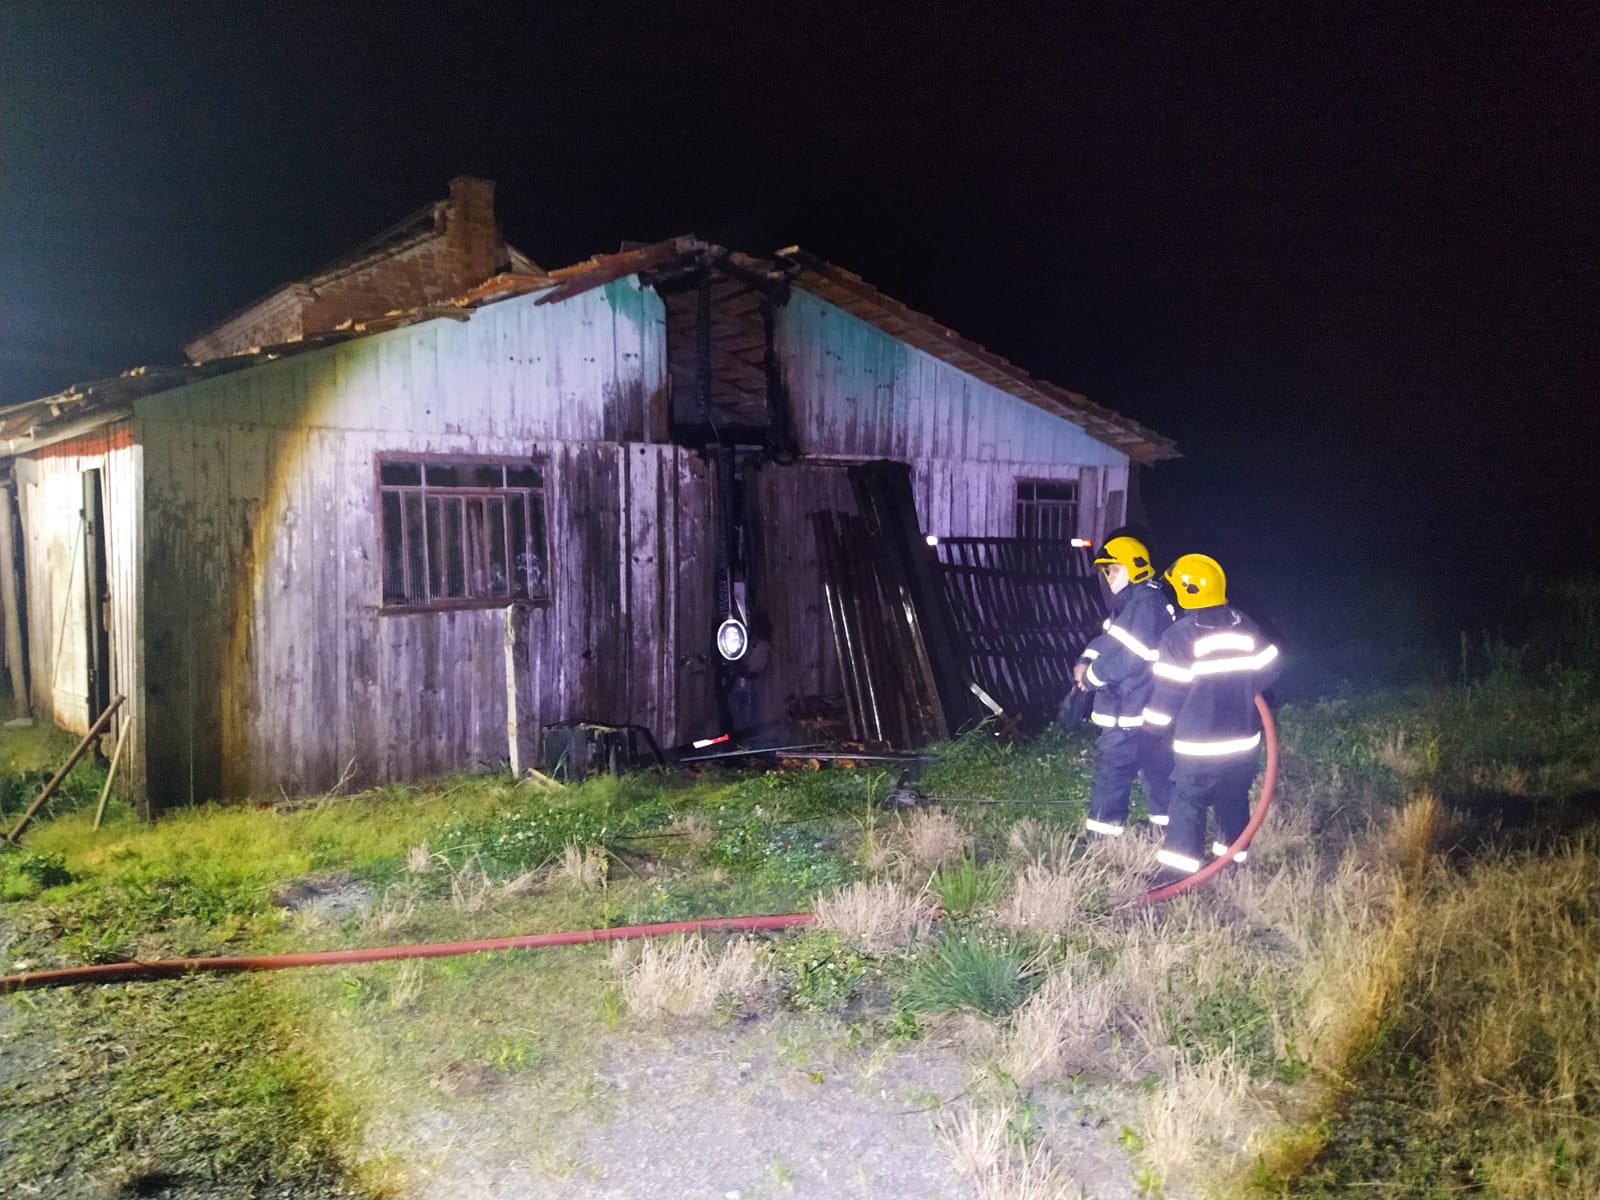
(111, 772)
(8, 599)
(55, 781)
(521, 736)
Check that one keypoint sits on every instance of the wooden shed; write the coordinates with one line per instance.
(409, 545)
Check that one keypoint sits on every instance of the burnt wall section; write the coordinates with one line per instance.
(857, 393)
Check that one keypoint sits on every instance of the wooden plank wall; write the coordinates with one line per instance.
(272, 665)
(50, 493)
(858, 393)
(787, 582)
(278, 669)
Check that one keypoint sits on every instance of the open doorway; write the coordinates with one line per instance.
(96, 598)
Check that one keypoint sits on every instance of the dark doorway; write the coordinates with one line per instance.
(96, 596)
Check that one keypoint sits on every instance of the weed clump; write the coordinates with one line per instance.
(819, 971)
(965, 889)
(878, 919)
(685, 977)
(971, 972)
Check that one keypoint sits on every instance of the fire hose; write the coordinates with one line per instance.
(1269, 779)
(166, 968)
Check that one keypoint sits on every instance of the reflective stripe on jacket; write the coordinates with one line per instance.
(1209, 667)
(1119, 660)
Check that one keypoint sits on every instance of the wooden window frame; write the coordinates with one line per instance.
(534, 499)
(1031, 509)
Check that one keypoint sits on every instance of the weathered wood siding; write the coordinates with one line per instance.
(271, 663)
(787, 582)
(277, 667)
(858, 393)
(50, 493)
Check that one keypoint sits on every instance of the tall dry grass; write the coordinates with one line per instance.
(1360, 936)
(1064, 1029)
(1041, 842)
(927, 839)
(1198, 1123)
(983, 1148)
(878, 918)
(1505, 988)
(580, 866)
(684, 976)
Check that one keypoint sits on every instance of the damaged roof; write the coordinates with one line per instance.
(34, 424)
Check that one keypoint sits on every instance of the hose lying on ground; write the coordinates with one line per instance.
(1269, 779)
(165, 968)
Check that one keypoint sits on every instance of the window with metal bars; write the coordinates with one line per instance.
(1047, 509)
(462, 533)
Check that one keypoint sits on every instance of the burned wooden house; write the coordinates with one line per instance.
(382, 541)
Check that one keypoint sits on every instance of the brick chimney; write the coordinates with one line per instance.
(470, 229)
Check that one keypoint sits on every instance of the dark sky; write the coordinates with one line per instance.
(1347, 255)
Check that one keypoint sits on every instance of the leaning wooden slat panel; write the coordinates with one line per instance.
(695, 598)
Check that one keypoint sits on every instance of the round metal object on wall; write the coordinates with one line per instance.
(732, 639)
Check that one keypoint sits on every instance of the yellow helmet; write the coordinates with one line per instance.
(1130, 552)
(1198, 581)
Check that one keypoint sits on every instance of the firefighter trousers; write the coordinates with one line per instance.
(1119, 756)
(1221, 784)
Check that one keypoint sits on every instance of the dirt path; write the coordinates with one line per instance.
(779, 1108)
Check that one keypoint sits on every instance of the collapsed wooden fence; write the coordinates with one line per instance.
(1023, 609)
(933, 637)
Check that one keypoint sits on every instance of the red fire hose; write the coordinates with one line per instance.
(166, 967)
(1269, 730)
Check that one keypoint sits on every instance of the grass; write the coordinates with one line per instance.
(1482, 1077)
(971, 972)
(176, 1080)
(685, 976)
(1397, 997)
(877, 918)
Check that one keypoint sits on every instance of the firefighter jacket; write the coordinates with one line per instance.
(1119, 660)
(1209, 667)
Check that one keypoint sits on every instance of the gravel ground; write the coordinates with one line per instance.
(767, 1109)
(752, 1113)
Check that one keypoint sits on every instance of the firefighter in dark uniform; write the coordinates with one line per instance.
(1209, 666)
(1116, 668)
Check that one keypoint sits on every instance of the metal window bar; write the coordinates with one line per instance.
(459, 559)
(1047, 520)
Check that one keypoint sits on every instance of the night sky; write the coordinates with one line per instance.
(1347, 256)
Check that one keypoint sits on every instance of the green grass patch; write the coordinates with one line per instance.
(1486, 1080)
(964, 888)
(968, 971)
(190, 1081)
(1479, 1078)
